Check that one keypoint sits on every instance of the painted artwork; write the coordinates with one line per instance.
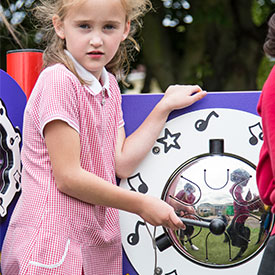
(204, 158)
(12, 105)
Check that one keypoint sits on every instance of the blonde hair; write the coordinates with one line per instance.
(54, 52)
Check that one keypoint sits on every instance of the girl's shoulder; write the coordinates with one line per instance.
(112, 79)
(55, 79)
(59, 73)
(113, 83)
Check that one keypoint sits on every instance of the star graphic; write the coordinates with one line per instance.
(169, 140)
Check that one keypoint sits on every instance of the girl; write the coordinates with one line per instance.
(239, 233)
(66, 221)
(186, 195)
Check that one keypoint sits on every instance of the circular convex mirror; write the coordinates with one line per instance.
(217, 191)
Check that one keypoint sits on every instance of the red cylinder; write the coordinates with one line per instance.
(24, 66)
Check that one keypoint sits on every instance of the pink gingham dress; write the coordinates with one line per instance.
(50, 232)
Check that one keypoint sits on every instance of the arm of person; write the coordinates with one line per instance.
(268, 121)
(266, 166)
(63, 145)
(131, 151)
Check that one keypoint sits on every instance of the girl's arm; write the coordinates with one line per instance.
(130, 151)
(63, 145)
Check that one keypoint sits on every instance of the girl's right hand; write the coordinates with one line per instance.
(157, 212)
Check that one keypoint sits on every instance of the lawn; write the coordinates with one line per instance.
(217, 250)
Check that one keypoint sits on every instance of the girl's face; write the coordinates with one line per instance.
(93, 32)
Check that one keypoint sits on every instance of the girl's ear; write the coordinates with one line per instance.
(58, 26)
(127, 30)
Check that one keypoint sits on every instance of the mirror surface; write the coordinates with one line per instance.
(218, 186)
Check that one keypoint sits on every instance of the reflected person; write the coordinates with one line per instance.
(238, 232)
(186, 195)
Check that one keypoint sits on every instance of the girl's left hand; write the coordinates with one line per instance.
(181, 96)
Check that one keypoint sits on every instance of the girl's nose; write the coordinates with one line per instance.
(96, 41)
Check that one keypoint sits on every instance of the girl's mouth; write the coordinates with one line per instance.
(96, 54)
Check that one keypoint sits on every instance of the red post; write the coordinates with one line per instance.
(24, 66)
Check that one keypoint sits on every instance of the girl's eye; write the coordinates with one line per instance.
(109, 27)
(84, 26)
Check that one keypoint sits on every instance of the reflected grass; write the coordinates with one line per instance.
(217, 251)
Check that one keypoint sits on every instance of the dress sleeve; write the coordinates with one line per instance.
(115, 88)
(59, 100)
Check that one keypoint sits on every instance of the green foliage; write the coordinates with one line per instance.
(201, 43)
(17, 27)
(264, 70)
(176, 14)
(261, 10)
(218, 251)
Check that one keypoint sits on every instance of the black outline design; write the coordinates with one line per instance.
(168, 134)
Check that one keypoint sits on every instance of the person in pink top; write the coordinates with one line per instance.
(66, 220)
(265, 171)
(186, 195)
(243, 203)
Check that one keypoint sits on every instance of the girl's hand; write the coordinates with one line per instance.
(181, 96)
(188, 212)
(157, 212)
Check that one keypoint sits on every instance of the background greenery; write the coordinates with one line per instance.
(214, 43)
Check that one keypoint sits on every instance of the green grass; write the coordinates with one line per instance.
(218, 250)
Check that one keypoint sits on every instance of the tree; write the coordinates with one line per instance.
(214, 43)
(220, 50)
(17, 29)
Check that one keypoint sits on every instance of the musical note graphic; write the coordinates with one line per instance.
(136, 180)
(12, 140)
(172, 272)
(202, 124)
(133, 238)
(253, 139)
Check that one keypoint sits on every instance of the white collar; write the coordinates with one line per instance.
(95, 87)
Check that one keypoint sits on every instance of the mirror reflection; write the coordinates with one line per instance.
(218, 186)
